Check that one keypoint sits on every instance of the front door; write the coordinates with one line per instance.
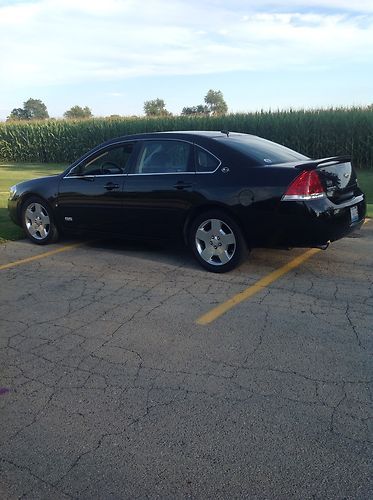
(90, 195)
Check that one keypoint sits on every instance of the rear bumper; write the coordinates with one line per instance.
(317, 222)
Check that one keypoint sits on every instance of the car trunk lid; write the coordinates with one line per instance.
(336, 175)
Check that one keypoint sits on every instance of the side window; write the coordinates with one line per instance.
(205, 161)
(108, 162)
(163, 157)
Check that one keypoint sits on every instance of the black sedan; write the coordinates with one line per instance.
(221, 192)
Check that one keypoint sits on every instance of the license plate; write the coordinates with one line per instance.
(354, 214)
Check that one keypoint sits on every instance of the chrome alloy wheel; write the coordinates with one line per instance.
(215, 242)
(37, 221)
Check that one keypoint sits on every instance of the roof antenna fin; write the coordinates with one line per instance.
(226, 132)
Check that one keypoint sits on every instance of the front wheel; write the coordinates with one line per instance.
(37, 221)
(217, 242)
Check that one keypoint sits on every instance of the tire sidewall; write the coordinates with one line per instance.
(241, 248)
(53, 233)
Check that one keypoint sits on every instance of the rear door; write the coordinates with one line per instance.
(159, 190)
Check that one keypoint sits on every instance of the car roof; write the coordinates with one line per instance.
(186, 134)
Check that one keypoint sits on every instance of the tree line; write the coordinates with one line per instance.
(35, 109)
(214, 104)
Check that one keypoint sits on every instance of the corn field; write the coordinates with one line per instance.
(316, 133)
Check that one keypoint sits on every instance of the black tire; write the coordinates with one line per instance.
(217, 241)
(38, 221)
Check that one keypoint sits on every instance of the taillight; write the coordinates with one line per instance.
(306, 186)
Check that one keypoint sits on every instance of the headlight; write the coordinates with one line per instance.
(12, 192)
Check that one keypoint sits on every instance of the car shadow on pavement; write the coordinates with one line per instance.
(163, 252)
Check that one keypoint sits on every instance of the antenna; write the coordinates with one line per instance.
(226, 132)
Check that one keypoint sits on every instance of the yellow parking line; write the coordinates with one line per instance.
(221, 309)
(41, 256)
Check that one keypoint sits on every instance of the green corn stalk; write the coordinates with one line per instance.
(316, 133)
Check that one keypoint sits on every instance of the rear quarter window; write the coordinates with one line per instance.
(205, 161)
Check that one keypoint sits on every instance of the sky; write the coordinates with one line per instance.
(112, 55)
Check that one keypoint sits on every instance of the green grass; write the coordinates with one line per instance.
(11, 173)
(365, 178)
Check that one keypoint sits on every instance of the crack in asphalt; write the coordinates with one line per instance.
(114, 351)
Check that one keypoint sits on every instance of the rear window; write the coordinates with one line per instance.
(260, 150)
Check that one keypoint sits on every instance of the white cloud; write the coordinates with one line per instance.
(50, 42)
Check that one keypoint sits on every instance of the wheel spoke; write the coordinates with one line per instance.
(207, 253)
(38, 210)
(203, 235)
(31, 230)
(42, 231)
(45, 219)
(215, 226)
(228, 239)
(30, 214)
(224, 257)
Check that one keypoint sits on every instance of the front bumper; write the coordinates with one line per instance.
(13, 211)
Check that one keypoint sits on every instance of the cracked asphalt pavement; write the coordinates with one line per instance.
(110, 389)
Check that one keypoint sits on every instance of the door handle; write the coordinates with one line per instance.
(110, 186)
(182, 185)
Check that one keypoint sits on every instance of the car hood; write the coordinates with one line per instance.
(36, 182)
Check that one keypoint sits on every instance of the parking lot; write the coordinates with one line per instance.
(115, 384)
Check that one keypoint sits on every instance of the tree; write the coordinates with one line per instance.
(33, 109)
(156, 107)
(215, 102)
(195, 110)
(36, 109)
(214, 105)
(78, 113)
(18, 114)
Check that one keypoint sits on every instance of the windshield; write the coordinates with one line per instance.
(260, 150)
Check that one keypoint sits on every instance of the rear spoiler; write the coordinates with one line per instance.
(333, 160)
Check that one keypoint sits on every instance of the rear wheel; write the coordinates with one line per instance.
(37, 221)
(217, 242)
